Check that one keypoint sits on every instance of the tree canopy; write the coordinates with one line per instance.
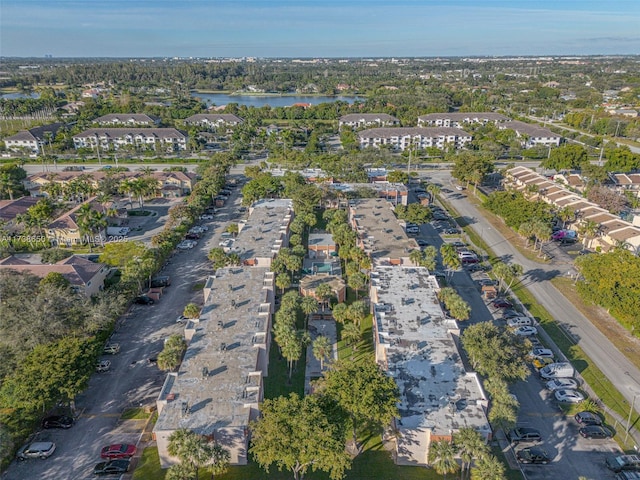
(301, 434)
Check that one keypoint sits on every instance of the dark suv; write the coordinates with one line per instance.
(588, 418)
(524, 435)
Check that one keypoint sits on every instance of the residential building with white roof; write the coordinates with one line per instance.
(217, 390)
(418, 346)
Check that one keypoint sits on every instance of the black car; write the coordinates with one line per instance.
(422, 243)
(510, 314)
(57, 421)
(587, 418)
(532, 455)
(524, 434)
(111, 467)
(192, 236)
(163, 281)
(143, 300)
(595, 431)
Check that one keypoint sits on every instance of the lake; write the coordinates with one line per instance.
(271, 100)
(13, 96)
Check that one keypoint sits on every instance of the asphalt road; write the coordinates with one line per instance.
(132, 380)
(618, 369)
(572, 456)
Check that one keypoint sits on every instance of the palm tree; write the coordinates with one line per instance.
(322, 350)
(442, 457)
(470, 445)
(415, 257)
(589, 230)
(566, 214)
(351, 334)
(323, 294)
(434, 191)
(8, 185)
(488, 467)
(195, 450)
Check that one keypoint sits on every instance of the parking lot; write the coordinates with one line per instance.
(132, 381)
(571, 455)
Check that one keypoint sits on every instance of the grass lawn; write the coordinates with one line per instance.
(596, 379)
(134, 414)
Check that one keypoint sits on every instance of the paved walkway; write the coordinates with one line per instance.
(312, 369)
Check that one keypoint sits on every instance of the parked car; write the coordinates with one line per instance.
(569, 396)
(192, 236)
(452, 231)
(519, 322)
(206, 216)
(186, 245)
(510, 314)
(182, 319)
(557, 370)
(40, 450)
(562, 384)
(526, 331)
(595, 431)
(501, 303)
(621, 463)
(143, 300)
(118, 450)
(469, 259)
(532, 455)
(540, 362)
(163, 281)
(111, 467)
(587, 418)
(111, 348)
(422, 243)
(524, 434)
(103, 366)
(57, 421)
(542, 352)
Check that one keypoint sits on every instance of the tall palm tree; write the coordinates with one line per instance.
(589, 230)
(415, 257)
(442, 457)
(351, 334)
(322, 349)
(488, 467)
(471, 446)
(8, 185)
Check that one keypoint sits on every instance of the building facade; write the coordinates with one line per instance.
(404, 138)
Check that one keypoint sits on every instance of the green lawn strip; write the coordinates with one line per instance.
(277, 381)
(603, 388)
(149, 466)
(136, 413)
(511, 473)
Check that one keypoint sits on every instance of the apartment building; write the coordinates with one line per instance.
(418, 347)
(403, 138)
(218, 388)
(459, 119)
(366, 120)
(213, 120)
(34, 139)
(127, 119)
(158, 139)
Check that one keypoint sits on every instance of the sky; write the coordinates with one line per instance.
(311, 28)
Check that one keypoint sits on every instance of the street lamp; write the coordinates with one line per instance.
(633, 403)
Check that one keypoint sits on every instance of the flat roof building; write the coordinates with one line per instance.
(458, 119)
(380, 234)
(417, 345)
(264, 233)
(217, 390)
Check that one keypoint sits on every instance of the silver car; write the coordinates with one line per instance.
(36, 450)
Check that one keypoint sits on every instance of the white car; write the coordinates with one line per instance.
(186, 245)
(227, 243)
(569, 396)
(562, 384)
(206, 216)
(526, 331)
(542, 353)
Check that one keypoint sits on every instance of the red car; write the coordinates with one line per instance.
(119, 450)
(500, 303)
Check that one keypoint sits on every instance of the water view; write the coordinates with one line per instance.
(271, 100)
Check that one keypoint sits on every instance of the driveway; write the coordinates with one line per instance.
(132, 380)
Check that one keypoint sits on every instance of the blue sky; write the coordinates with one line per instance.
(310, 28)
